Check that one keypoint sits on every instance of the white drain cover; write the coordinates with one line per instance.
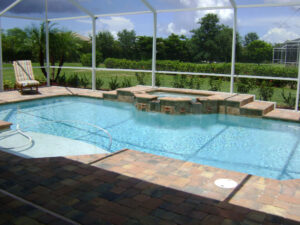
(225, 183)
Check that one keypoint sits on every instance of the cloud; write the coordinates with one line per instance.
(113, 24)
(224, 14)
(172, 29)
(279, 35)
(183, 22)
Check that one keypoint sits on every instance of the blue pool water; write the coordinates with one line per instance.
(261, 147)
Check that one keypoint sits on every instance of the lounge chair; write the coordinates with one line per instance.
(24, 75)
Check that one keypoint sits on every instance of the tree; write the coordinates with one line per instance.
(175, 47)
(127, 40)
(250, 37)
(203, 41)
(259, 51)
(15, 45)
(106, 44)
(144, 47)
(61, 45)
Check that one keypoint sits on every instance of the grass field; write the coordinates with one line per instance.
(166, 80)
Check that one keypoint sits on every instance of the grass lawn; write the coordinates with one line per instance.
(166, 80)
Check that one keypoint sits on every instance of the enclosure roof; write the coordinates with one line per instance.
(33, 9)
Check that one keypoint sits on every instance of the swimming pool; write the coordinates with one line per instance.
(261, 147)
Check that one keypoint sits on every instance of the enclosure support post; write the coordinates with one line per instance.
(233, 50)
(298, 84)
(47, 43)
(154, 48)
(94, 55)
(1, 60)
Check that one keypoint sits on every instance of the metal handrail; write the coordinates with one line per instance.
(80, 122)
(18, 130)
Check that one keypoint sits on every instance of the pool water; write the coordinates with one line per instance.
(161, 94)
(261, 147)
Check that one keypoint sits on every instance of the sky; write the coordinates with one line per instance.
(272, 24)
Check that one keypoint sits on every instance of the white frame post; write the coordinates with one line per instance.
(47, 43)
(298, 84)
(154, 49)
(1, 60)
(233, 54)
(94, 54)
(154, 40)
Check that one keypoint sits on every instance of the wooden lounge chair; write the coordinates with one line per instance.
(24, 75)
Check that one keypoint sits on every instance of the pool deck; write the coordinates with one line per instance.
(131, 187)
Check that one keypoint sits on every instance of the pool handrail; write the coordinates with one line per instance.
(17, 130)
(80, 122)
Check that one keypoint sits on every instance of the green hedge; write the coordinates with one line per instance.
(221, 68)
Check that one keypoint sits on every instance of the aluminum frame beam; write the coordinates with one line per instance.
(77, 5)
(22, 17)
(298, 84)
(47, 43)
(182, 10)
(10, 7)
(233, 48)
(233, 3)
(94, 54)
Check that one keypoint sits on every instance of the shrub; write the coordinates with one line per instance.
(179, 81)
(245, 85)
(288, 100)
(99, 83)
(158, 80)
(266, 91)
(198, 82)
(223, 68)
(114, 83)
(84, 82)
(7, 84)
(140, 78)
(215, 83)
(73, 80)
(61, 80)
(190, 82)
(126, 82)
(86, 59)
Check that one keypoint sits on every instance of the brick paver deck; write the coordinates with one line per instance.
(131, 187)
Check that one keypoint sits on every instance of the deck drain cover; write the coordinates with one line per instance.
(225, 183)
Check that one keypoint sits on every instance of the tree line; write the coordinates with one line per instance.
(210, 42)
